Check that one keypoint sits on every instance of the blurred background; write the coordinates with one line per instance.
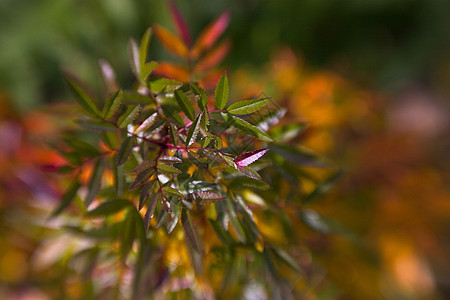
(372, 78)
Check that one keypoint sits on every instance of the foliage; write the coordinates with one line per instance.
(172, 150)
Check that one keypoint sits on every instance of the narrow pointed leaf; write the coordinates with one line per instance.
(142, 178)
(83, 97)
(169, 191)
(168, 170)
(210, 35)
(297, 156)
(213, 57)
(182, 28)
(250, 129)
(129, 115)
(97, 126)
(109, 76)
(287, 259)
(143, 48)
(119, 178)
(113, 105)
(108, 208)
(133, 55)
(190, 231)
(249, 172)
(185, 104)
(322, 187)
(95, 181)
(171, 42)
(221, 92)
(206, 197)
(170, 159)
(67, 198)
(287, 132)
(150, 211)
(145, 193)
(247, 106)
(248, 158)
(203, 98)
(146, 124)
(193, 131)
(125, 150)
(147, 69)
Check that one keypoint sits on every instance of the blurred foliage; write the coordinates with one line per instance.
(389, 237)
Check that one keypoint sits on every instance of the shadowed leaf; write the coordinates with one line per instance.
(95, 181)
(185, 104)
(108, 208)
(190, 231)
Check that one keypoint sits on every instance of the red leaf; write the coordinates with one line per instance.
(210, 35)
(182, 28)
(172, 71)
(248, 158)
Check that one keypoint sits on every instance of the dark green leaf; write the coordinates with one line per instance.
(113, 105)
(129, 115)
(223, 235)
(83, 97)
(150, 211)
(190, 231)
(125, 150)
(297, 155)
(247, 106)
(119, 178)
(131, 97)
(169, 191)
(108, 208)
(127, 235)
(83, 148)
(97, 126)
(250, 129)
(193, 131)
(95, 181)
(168, 170)
(287, 259)
(163, 84)
(221, 92)
(142, 178)
(203, 99)
(67, 198)
(249, 172)
(322, 187)
(185, 104)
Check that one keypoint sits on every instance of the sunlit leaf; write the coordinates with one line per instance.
(133, 54)
(206, 197)
(143, 50)
(109, 76)
(247, 106)
(193, 131)
(170, 159)
(172, 71)
(129, 115)
(185, 104)
(95, 181)
(108, 208)
(168, 170)
(147, 69)
(248, 158)
(171, 42)
(164, 84)
(203, 98)
(182, 28)
(170, 191)
(146, 124)
(221, 92)
(213, 57)
(250, 129)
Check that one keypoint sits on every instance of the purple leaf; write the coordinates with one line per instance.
(248, 158)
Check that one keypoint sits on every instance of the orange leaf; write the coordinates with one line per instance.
(214, 57)
(172, 71)
(210, 35)
(209, 81)
(171, 41)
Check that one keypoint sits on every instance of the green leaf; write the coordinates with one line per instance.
(143, 47)
(169, 191)
(173, 134)
(67, 198)
(147, 69)
(223, 235)
(171, 111)
(158, 85)
(145, 193)
(132, 97)
(113, 105)
(231, 211)
(247, 106)
(185, 104)
(108, 208)
(204, 123)
(81, 147)
(95, 181)
(221, 92)
(83, 97)
(170, 159)
(250, 129)
(125, 150)
(249, 172)
(190, 231)
(142, 178)
(119, 178)
(203, 99)
(168, 170)
(193, 131)
(127, 235)
(129, 115)
(287, 132)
